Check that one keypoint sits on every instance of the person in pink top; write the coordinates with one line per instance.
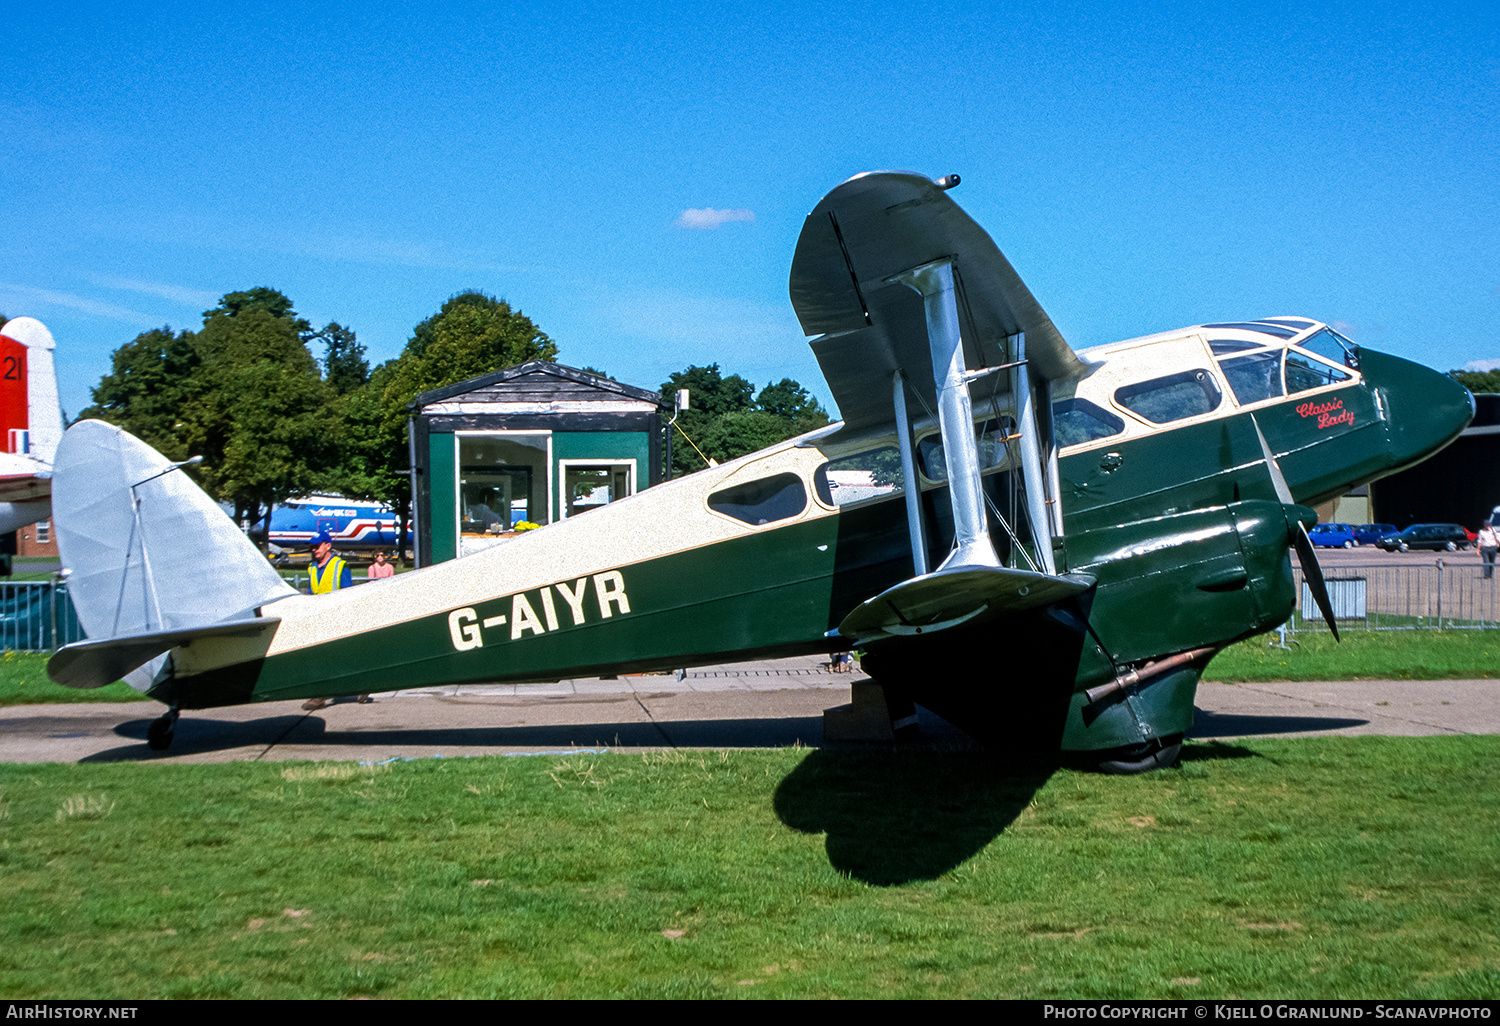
(380, 568)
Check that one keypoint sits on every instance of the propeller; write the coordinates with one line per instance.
(1312, 573)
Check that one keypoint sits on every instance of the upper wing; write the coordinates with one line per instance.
(875, 226)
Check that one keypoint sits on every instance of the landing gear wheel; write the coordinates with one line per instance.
(159, 734)
(1156, 754)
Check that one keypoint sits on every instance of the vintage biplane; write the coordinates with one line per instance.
(31, 423)
(1043, 546)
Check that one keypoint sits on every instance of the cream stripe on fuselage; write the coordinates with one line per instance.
(661, 521)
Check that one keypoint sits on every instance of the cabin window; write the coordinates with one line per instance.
(1174, 397)
(875, 474)
(1221, 346)
(1333, 347)
(991, 437)
(1303, 374)
(1255, 378)
(778, 497)
(1264, 327)
(1075, 421)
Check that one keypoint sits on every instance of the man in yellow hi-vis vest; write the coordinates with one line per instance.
(329, 573)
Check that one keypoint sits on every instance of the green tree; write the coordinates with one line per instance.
(243, 392)
(344, 365)
(1477, 381)
(727, 419)
(262, 417)
(152, 381)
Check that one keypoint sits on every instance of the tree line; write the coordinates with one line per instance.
(273, 421)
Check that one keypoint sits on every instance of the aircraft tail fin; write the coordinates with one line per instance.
(145, 549)
(28, 382)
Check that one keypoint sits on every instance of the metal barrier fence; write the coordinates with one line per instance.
(36, 616)
(1439, 596)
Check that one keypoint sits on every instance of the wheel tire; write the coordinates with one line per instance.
(1451, 547)
(1143, 758)
(1348, 545)
(1404, 547)
(159, 734)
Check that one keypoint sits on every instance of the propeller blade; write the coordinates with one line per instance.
(1312, 573)
(1278, 480)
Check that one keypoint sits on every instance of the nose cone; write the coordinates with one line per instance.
(1425, 410)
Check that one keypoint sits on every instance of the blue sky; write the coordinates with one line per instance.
(1143, 166)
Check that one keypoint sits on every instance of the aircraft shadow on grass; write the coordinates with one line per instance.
(900, 816)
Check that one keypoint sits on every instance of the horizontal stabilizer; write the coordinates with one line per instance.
(948, 598)
(93, 664)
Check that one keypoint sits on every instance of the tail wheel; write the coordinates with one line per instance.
(159, 734)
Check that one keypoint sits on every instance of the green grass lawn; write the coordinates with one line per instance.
(1336, 867)
(1373, 655)
(23, 681)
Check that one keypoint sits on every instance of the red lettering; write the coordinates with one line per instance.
(1320, 409)
(1325, 412)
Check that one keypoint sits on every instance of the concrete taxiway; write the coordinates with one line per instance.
(746, 705)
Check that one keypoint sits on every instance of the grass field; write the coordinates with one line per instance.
(1338, 867)
(23, 681)
(1369, 655)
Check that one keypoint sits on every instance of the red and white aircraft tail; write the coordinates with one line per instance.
(31, 422)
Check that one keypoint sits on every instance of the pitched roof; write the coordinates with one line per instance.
(537, 381)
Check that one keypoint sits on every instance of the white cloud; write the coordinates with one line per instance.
(1480, 366)
(709, 218)
(15, 300)
(196, 298)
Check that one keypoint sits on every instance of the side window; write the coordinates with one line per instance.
(1075, 421)
(1254, 378)
(867, 475)
(990, 436)
(1174, 397)
(1303, 374)
(778, 497)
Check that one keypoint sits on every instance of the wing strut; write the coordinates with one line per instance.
(913, 483)
(972, 544)
(1033, 470)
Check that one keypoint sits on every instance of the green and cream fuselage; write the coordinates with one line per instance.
(1100, 521)
(1165, 503)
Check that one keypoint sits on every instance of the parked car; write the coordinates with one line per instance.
(1427, 536)
(1370, 534)
(1333, 536)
